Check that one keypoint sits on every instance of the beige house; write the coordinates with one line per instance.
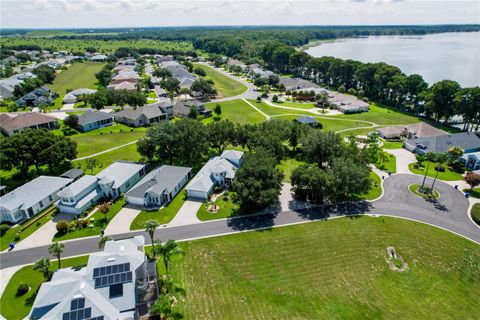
(416, 130)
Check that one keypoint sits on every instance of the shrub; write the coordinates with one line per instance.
(84, 223)
(62, 227)
(439, 168)
(104, 207)
(3, 229)
(22, 289)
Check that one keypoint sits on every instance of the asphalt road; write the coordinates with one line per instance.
(449, 212)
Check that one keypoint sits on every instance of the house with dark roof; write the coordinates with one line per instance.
(36, 97)
(11, 124)
(468, 141)
(73, 174)
(141, 116)
(92, 120)
(182, 108)
(159, 186)
(307, 120)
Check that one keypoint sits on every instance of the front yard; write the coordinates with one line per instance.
(448, 175)
(227, 208)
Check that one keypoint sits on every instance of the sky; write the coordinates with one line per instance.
(156, 13)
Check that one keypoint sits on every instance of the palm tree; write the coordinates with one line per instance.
(42, 265)
(150, 227)
(56, 249)
(167, 250)
(430, 157)
(441, 158)
(101, 242)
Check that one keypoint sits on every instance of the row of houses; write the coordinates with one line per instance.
(7, 86)
(125, 78)
(178, 71)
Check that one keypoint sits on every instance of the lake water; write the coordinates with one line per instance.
(453, 56)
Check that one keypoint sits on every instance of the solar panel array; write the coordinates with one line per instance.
(79, 312)
(114, 274)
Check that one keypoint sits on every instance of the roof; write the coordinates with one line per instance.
(32, 192)
(11, 122)
(78, 186)
(124, 85)
(92, 116)
(99, 57)
(120, 171)
(160, 180)
(306, 120)
(392, 130)
(423, 129)
(464, 140)
(297, 83)
(81, 91)
(152, 111)
(232, 155)
(72, 173)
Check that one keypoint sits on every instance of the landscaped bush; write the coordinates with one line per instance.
(22, 289)
(104, 207)
(439, 168)
(62, 227)
(3, 229)
(476, 213)
(84, 223)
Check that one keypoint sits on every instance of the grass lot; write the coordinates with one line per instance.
(333, 269)
(106, 138)
(226, 87)
(78, 75)
(74, 45)
(448, 175)
(298, 105)
(473, 193)
(237, 111)
(99, 224)
(392, 144)
(376, 189)
(9, 236)
(287, 166)
(389, 165)
(475, 213)
(13, 307)
(227, 209)
(127, 153)
(163, 215)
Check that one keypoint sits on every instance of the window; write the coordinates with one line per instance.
(116, 290)
(50, 198)
(41, 204)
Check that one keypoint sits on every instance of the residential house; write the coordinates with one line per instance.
(123, 85)
(73, 174)
(237, 63)
(471, 160)
(36, 97)
(72, 96)
(417, 130)
(182, 108)
(347, 103)
(297, 84)
(110, 183)
(307, 120)
(92, 120)
(98, 58)
(181, 74)
(113, 285)
(141, 116)
(7, 87)
(126, 74)
(31, 198)
(217, 172)
(260, 73)
(159, 186)
(468, 141)
(15, 123)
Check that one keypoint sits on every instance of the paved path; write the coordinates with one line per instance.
(187, 214)
(404, 157)
(449, 212)
(122, 221)
(260, 111)
(105, 151)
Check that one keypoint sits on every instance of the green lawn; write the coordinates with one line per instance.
(333, 269)
(99, 224)
(127, 153)
(13, 307)
(392, 144)
(473, 193)
(298, 105)
(106, 138)
(389, 165)
(287, 166)
(226, 87)
(328, 124)
(226, 209)
(163, 215)
(448, 175)
(475, 213)
(237, 111)
(78, 75)
(9, 236)
(376, 189)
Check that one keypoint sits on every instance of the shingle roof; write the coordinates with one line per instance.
(120, 171)
(92, 116)
(23, 120)
(464, 140)
(306, 120)
(78, 186)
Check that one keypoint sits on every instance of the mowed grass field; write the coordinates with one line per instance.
(78, 75)
(333, 269)
(107, 47)
(127, 153)
(237, 111)
(225, 86)
(382, 115)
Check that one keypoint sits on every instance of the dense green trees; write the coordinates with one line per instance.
(221, 134)
(35, 148)
(204, 87)
(45, 73)
(105, 75)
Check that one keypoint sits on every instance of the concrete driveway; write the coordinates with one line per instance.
(187, 214)
(404, 157)
(122, 221)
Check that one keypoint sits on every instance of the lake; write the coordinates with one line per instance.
(453, 56)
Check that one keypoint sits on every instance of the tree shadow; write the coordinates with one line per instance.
(335, 210)
(437, 205)
(261, 221)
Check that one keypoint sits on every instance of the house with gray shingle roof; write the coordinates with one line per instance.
(307, 120)
(141, 116)
(159, 186)
(92, 120)
(468, 141)
(31, 198)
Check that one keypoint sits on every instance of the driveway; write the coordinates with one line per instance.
(287, 201)
(187, 214)
(122, 221)
(404, 157)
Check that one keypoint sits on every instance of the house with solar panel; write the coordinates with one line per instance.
(118, 283)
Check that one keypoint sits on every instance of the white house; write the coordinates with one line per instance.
(33, 197)
(114, 180)
(217, 172)
(159, 186)
(107, 288)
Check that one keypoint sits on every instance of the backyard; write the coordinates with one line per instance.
(288, 273)
(18, 307)
(78, 75)
(225, 86)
